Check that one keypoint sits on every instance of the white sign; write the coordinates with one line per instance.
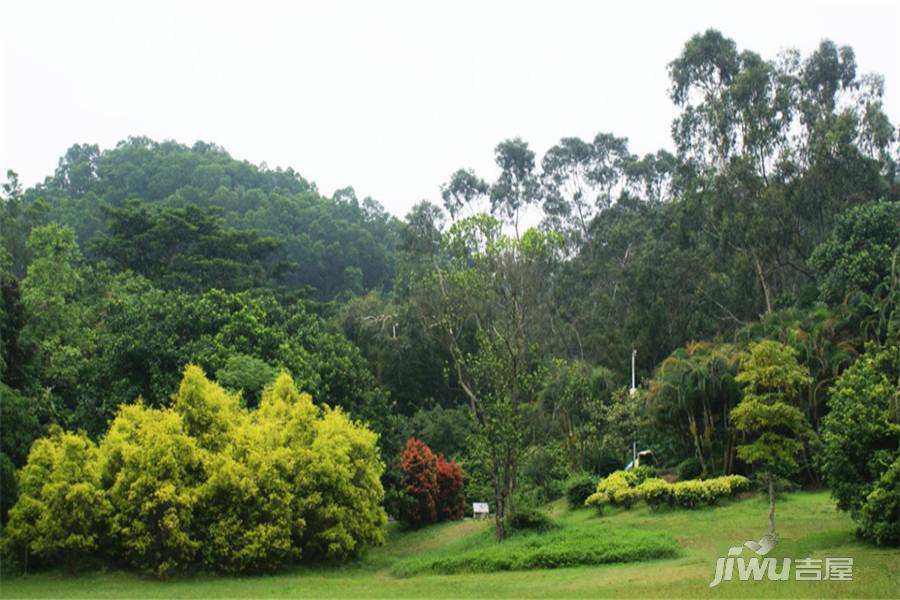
(480, 508)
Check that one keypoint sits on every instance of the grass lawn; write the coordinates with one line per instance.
(405, 567)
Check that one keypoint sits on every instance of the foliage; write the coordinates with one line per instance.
(877, 517)
(860, 437)
(695, 386)
(772, 380)
(451, 500)
(419, 465)
(337, 474)
(248, 375)
(206, 482)
(858, 255)
(188, 248)
(579, 487)
(529, 519)
(187, 193)
(656, 492)
(689, 468)
(60, 514)
(544, 469)
(445, 430)
(618, 489)
(625, 488)
(151, 471)
(432, 485)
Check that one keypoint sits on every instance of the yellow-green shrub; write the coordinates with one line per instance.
(61, 511)
(691, 493)
(624, 488)
(615, 490)
(336, 475)
(655, 492)
(210, 414)
(737, 483)
(151, 470)
(208, 482)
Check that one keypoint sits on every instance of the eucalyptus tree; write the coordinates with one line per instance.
(773, 150)
(579, 179)
(517, 187)
(462, 193)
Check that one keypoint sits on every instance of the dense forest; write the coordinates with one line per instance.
(754, 272)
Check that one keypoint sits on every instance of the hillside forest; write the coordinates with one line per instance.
(207, 361)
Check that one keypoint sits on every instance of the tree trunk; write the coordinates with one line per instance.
(499, 530)
(762, 281)
(771, 503)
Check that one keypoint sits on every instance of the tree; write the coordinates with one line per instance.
(462, 192)
(50, 294)
(772, 381)
(861, 441)
(517, 186)
(696, 388)
(248, 375)
(188, 248)
(60, 515)
(483, 304)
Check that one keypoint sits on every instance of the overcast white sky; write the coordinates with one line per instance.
(389, 97)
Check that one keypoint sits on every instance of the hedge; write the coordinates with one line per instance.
(625, 488)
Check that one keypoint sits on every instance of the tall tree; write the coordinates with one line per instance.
(767, 416)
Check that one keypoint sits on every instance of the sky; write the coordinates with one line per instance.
(390, 97)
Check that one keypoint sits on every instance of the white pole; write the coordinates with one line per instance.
(633, 386)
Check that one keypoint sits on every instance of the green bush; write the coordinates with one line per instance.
(615, 490)
(690, 494)
(696, 492)
(689, 468)
(655, 492)
(860, 441)
(879, 517)
(737, 484)
(206, 483)
(579, 488)
(642, 473)
(625, 488)
(529, 519)
(151, 470)
(60, 515)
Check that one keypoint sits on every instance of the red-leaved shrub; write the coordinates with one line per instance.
(419, 466)
(451, 503)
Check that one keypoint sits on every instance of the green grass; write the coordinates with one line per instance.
(807, 522)
(567, 547)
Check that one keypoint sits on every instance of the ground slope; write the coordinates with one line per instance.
(808, 524)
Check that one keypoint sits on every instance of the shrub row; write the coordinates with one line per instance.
(625, 488)
(205, 483)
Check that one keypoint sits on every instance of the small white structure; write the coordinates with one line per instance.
(480, 510)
